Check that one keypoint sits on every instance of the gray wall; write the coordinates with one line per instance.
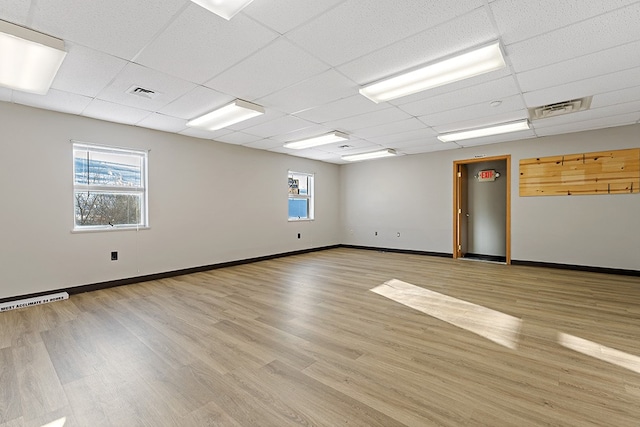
(487, 208)
(414, 195)
(212, 203)
(209, 203)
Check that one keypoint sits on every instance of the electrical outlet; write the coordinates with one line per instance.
(114, 256)
(298, 235)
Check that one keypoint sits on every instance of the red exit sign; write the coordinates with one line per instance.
(487, 175)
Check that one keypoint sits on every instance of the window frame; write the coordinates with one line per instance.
(142, 190)
(309, 197)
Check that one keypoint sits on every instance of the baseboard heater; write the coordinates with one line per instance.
(29, 302)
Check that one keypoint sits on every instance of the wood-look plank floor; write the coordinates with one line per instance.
(303, 341)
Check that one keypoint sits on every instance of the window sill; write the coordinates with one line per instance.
(106, 230)
(299, 219)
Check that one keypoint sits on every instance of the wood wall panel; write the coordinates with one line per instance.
(606, 172)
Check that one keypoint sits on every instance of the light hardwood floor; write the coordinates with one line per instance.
(303, 340)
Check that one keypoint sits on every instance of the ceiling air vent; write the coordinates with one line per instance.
(560, 108)
(142, 92)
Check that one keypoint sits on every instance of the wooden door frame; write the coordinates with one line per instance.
(458, 163)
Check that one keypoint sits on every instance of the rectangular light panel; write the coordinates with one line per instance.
(224, 8)
(460, 67)
(228, 115)
(388, 152)
(29, 60)
(328, 138)
(487, 131)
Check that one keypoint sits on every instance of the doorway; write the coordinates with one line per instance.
(482, 209)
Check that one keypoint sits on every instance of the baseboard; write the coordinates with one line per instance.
(174, 273)
(587, 268)
(164, 275)
(400, 251)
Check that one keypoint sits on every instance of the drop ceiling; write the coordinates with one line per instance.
(304, 62)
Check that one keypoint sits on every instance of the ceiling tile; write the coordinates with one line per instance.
(167, 86)
(616, 97)
(347, 107)
(602, 32)
(602, 122)
(297, 135)
(402, 137)
(118, 27)
(15, 11)
(284, 15)
(243, 82)
(422, 143)
(204, 134)
(520, 20)
(111, 112)
(264, 144)
(494, 139)
(390, 128)
(482, 112)
(238, 138)
(375, 118)
(495, 90)
(55, 100)
(365, 147)
(358, 27)
(591, 114)
(592, 65)
(163, 123)
(196, 102)
(578, 89)
(278, 126)
(313, 92)
(356, 147)
(317, 154)
(430, 148)
(269, 115)
(199, 45)
(280, 55)
(86, 71)
(344, 147)
(459, 34)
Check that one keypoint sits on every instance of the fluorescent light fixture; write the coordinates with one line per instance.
(29, 60)
(387, 152)
(228, 115)
(327, 138)
(460, 67)
(487, 131)
(224, 8)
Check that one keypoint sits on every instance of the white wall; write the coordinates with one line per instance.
(413, 194)
(209, 203)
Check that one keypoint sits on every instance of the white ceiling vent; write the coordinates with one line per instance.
(142, 92)
(560, 108)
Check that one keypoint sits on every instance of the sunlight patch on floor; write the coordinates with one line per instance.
(600, 352)
(493, 325)
(60, 422)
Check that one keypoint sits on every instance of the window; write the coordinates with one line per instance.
(300, 196)
(109, 187)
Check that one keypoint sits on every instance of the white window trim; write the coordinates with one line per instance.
(143, 190)
(310, 197)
